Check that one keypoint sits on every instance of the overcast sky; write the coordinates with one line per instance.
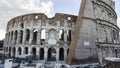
(13, 8)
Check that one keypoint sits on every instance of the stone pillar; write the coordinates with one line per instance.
(10, 38)
(46, 34)
(31, 36)
(29, 50)
(65, 54)
(38, 37)
(22, 50)
(11, 51)
(58, 23)
(45, 53)
(18, 37)
(58, 32)
(65, 35)
(24, 37)
(57, 54)
(13, 39)
(37, 52)
(16, 51)
(110, 52)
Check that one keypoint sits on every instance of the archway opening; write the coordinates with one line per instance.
(35, 31)
(26, 50)
(68, 35)
(21, 36)
(61, 35)
(19, 51)
(11, 35)
(61, 54)
(51, 54)
(41, 54)
(43, 36)
(34, 53)
(52, 36)
(15, 39)
(9, 54)
(14, 51)
(27, 35)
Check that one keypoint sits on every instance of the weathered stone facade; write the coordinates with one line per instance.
(98, 25)
(36, 34)
(49, 38)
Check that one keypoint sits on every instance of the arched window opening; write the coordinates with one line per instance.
(19, 51)
(61, 35)
(9, 54)
(35, 36)
(36, 17)
(6, 49)
(69, 18)
(102, 34)
(8, 36)
(27, 35)
(21, 36)
(51, 54)
(69, 35)
(43, 36)
(52, 36)
(34, 53)
(11, 35)
(41, 54)
(14, 51)
(15, 36)
(61, 54)
(114, 36)
(22, 25)
(26, 50)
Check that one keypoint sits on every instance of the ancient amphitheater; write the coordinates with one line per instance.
(92, 35)
(36, 34)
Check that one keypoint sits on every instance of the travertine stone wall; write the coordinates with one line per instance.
(98, 25)
(36, 34)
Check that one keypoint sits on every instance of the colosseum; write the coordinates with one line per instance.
(92, 34)
(36, 34)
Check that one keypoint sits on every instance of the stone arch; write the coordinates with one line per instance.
(27, 34)
(7, 49)
(16, 33)
(11, 35)
(8, 36)
(52, 36)
(19, 51)
(4, 49)
(102, 34)
(21, 36)
(114, 35)
(14, 51)
(43, 36)
(35, 31)
(9, 52)
(61, 35)
(34, 53)
(41, 53)
(26, 50)
(61, 54)
(51, 54)
(22, 25)
(68, 35)
(43, 33)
